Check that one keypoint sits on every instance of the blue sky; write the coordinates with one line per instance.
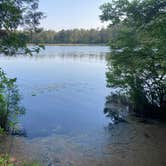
(69, 14)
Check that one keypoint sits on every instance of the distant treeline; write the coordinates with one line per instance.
(75, 36)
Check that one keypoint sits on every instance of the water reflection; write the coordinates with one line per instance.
(116, 108)
(63, 89)
(74, 52)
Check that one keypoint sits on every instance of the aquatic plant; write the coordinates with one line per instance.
(32, 164)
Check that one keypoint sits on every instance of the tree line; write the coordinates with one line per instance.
(75, 36)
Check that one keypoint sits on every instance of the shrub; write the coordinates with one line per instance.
(10, 108)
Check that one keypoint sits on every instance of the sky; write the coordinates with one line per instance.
(70, 14)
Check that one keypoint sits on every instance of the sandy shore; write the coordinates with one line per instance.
(128, 144)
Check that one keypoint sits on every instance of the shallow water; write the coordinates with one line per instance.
(64, 93)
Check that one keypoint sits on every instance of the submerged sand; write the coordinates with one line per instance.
(124, 144)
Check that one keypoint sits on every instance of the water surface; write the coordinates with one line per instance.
(64, 93)
(63, 89)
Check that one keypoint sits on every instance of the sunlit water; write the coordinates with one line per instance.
(63, 89)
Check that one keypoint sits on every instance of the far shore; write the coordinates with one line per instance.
(70, 44)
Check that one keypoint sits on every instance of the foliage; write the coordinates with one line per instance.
(137, 63)
(5, 161)
(14, 14)
(1, 131)
(75, 36)
(10, 107)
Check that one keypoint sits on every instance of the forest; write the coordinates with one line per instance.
(74, 36)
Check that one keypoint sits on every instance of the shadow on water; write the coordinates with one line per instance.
(116, 108)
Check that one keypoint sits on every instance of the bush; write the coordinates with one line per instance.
(5, 161)
(10, 108)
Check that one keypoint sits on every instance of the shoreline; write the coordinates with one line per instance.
(133, 143)
(63, 44)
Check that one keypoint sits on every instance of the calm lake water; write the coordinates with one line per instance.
(63, 89)
(64, 93)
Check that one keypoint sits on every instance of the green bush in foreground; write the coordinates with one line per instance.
(10, 108)
(5, 161)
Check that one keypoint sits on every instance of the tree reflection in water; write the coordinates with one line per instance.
(116, 108)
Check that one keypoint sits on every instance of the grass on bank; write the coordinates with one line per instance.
(6, 160)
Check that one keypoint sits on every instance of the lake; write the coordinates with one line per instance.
(64, 93)
(63, 89)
